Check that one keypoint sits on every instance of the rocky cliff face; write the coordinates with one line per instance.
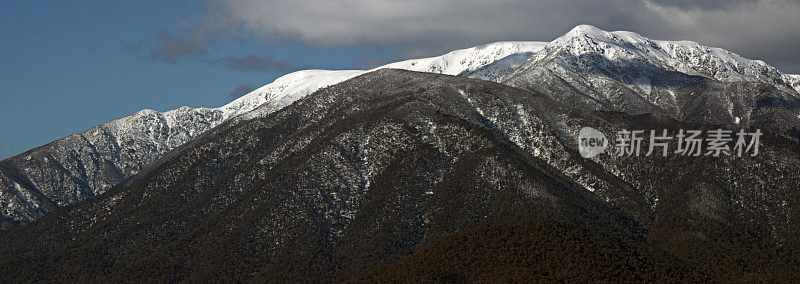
(371, 170)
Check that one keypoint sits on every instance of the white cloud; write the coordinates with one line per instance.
(761, 29)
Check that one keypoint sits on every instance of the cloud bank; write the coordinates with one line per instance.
(759, 29)
(253, 62)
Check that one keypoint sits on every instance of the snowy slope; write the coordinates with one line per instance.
(470, 59)
(287, 89)
(291, 87)
(500, 68)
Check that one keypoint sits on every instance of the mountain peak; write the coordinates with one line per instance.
(581, 32)
(684, 56)
(586, 29)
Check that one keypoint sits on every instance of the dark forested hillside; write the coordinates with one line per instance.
(535, 249)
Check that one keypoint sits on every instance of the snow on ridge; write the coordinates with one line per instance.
(293, 86)
(469, 59)
(287, 89)
(684, 56)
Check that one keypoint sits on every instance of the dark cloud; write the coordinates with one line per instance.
(252, 62)
(241, 90)
(171, 47)
(193, 37)
(196, 38)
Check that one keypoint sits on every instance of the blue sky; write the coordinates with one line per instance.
(66, 66)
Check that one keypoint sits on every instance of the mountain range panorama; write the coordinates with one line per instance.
(416, 167)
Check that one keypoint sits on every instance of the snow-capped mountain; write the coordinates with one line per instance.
(623, 71)
(586, 67)
(89, 163)
(686, 57)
